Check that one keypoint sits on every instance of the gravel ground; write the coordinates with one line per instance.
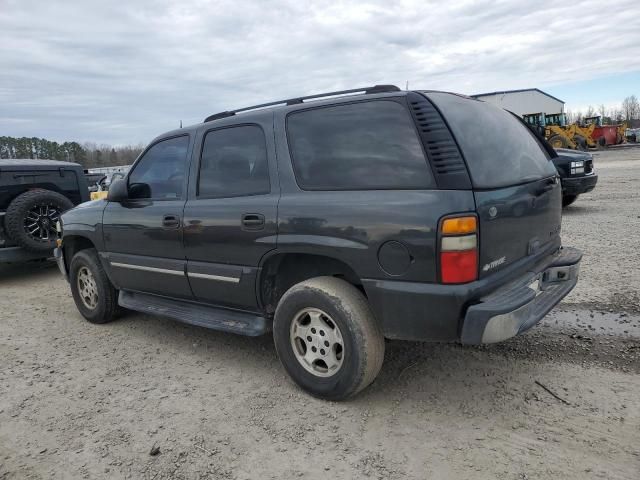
(88, 401)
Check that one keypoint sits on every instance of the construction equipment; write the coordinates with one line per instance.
(555, 134)
(554, 128)
(559, 134)
(581, 134)
(605, 135)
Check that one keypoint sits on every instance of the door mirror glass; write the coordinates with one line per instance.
(139, 190)
(118, 191)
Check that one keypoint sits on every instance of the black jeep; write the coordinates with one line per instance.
(337, 222)
(33, 194)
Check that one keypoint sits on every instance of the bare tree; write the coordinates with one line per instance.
(590, 111)
(631, 108)
(602, 110)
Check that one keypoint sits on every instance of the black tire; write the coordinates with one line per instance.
(31, 218)
(581, 142)
(106, 307)
(361, 335)
(558, 141)
(568, 200)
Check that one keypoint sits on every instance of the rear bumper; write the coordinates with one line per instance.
(579, 185)
(518, 306)
(485, 311)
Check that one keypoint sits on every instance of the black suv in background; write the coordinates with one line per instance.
(335, 222)
(577, 174)
(33, 194)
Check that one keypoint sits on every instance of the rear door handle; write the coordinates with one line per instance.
(253, 221)
(170, 221)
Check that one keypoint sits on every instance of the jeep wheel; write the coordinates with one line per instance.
(93, 293)
(327, 338)
(31, 219)
(568, 200)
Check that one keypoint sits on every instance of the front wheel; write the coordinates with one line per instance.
(93, 293)
(568, 200)
(327, 338)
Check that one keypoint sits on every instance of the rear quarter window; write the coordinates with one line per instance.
(358, 146)
(499, 150)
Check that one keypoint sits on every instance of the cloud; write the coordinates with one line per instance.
(124, 72)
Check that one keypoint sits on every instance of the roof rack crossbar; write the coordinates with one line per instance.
(297, 100)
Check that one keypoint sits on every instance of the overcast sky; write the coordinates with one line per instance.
(123, 72)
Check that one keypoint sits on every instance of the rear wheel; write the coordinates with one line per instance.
(568, 200)
(327, 338)
(558, 141)
(31, 219)
(93, 293)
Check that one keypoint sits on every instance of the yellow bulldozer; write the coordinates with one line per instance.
(560, 135)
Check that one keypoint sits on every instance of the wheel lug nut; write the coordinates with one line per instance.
(326, 344)
(314, 349)
(322, 351)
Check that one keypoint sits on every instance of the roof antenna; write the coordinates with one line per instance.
(407, 87)
(180, 123)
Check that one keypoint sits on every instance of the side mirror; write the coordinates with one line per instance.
(139, 190)
(118, 191)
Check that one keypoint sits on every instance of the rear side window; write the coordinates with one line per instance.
(234, 163)
(499, 149)
(367, 145)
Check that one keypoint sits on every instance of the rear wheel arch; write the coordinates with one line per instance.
(280, 271)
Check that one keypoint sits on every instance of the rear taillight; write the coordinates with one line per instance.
(459, 249)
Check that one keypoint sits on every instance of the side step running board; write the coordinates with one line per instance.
(233, 321)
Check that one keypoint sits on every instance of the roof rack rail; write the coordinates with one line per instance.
(296, 100)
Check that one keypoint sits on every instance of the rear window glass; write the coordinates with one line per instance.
(366, 145)
(499, 150)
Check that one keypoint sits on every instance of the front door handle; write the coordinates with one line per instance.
(253, 221)
(170, 221)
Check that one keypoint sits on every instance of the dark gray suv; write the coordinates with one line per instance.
(336, 221)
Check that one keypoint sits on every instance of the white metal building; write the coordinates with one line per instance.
(520, 102)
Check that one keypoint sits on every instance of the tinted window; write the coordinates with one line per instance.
(234, 163)
(160, 172)
(499, 149)
(368, 145)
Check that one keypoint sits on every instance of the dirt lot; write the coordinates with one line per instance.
(85, 401)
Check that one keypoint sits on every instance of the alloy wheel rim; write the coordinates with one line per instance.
(87, 288)
(40, 222)
(317, 342)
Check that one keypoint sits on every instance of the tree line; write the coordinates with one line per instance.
(628, 111)
(89, 155)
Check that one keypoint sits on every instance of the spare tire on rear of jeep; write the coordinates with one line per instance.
(31, 219)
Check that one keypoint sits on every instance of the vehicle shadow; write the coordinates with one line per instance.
(11, 272)
(576, 210)
(410, 369)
